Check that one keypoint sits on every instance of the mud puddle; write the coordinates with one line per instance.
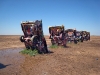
(10, 61)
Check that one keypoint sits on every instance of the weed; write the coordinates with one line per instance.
(29, 52)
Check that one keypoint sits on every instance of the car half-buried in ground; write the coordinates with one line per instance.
(73, 35)
(79, 36)
(70, 35)
(86, 35)
(33, 37)
(57, 35)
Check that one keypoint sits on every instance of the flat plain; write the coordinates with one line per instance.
(77, 59)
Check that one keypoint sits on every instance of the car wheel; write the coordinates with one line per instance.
(22, 39)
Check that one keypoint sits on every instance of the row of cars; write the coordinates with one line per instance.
(58, 34)
(33, 37)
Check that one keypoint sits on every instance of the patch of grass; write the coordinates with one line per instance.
(53, 46)
(29, 52)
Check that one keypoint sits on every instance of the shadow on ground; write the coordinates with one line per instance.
(3, 66)
(50, 52)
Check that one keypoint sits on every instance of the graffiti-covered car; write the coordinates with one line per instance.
(86, 35)
(71, 35)
(57, 35)
(33, 37)
(79, 36)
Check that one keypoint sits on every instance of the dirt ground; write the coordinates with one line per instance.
(77, 59)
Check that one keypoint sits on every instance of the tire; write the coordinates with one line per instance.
(22, 39)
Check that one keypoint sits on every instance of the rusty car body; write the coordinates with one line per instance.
(57, 35)
(33, 37)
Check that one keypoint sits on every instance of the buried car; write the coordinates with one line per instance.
(79, 36)
(57, 35)
(70, 34)
(86, 35)
(33, 37)
(73, 35)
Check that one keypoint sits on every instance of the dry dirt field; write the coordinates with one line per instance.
(77, 59)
